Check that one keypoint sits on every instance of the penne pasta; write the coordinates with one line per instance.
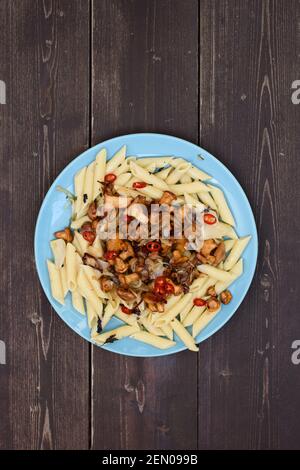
(109, 310)
(96, 249)
(71, 267)
(236, 252)
(184, 335)
(86, 290)
(159, 161)
(80, 243)
(76, 224)
(193, 171)
(193, 315)
(99, 173)
(58, 247)
(79, 186)
(189, 199)
(77, 301)
(116, 160)
(151, 327)
(123, 179)
(222, 205)
(236, 272)
(129, 319)
(64, 282)
(156, 341)
(203, 321)
(117, 333)
(55, 282)
(215, 273)
(164, 173)
(206, 198)
(180, 168)
(228, 245)
(194, 187)
(168, 331)
(145, 176)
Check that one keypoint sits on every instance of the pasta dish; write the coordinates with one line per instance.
(151, 242)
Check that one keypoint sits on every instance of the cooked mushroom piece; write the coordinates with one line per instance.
(167, 198)
(127, 252)
(106, 284)
(65, 234)
(125, 294)
(207, 247)
(219, 253)
(115, 244)
(89, 260)
(92, 211)
(131, 278)
(213, 304)
(226, 296)
(120, 265)
(211, 291)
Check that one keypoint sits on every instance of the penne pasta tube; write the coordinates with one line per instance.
(189, 199)
(168, 331)
(229, 245)
(159, 161)
(144, 175)
(109, 310)
(87, 291)
(206, 198)
(117, 333)
(164, 173)
(129, 319)
(218, 230)
(215, 273)
(194, 187)
(76, 224)
(156, 341)
(55, 282)
(77, 301)
(236, 252)
(79, 180)
(222, 205)
(123, 179)
(184, 335)
(93, 276)
(151, 327)
(99, 173)
(203, 321)
(64, 282)
(193, 171)
(123, 168)
(87, 192)
(71, 267)
(116, 160)
(185, 178)
(92, 316)
(180, 168)
(96, 249)
(58, 247)
(193, 315)
(236, 272)
(80, 243)
(175, 310)
(185, 312)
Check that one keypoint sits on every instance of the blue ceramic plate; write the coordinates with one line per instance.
(54, 216)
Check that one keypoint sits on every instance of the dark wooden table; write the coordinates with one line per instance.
(215, 72)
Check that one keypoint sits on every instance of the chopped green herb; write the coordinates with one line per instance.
(99, 325)
(85, 198)
(71, 197)
(111, 339)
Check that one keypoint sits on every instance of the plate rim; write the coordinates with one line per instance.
(181, 347)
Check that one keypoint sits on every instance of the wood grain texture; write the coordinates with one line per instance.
(248, 121)
(47, 401)
(145, 58)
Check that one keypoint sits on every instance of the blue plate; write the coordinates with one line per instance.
(54, 216)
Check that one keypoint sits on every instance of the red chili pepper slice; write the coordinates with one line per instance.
(110, 178)
(139, 185)
(110, 255)
(209, 219)
(169, 289)
(160, 281)
(126, 310)
(153, 246)
(199, 302)
(89, 236)
(129, 218)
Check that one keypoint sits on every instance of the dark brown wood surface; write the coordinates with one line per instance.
(215, 72)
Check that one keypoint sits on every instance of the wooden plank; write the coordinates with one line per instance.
(248, 62)
(47, 394)
(145, 78)
(5, 249)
